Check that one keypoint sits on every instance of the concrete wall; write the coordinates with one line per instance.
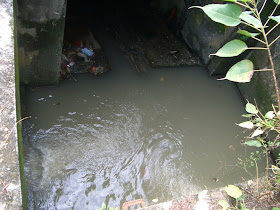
(40, 26)
(10, 185)
(204, 37)
(200, 33)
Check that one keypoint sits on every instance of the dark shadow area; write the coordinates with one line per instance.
(141, 32)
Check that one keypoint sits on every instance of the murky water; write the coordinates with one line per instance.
(124, 136)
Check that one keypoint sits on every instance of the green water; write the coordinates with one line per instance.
(125, 136)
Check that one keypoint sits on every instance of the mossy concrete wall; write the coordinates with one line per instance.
(40, 27)
(200, 33)
(205, 37)
(10, 185)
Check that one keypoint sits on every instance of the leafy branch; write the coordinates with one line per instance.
(231, 14)
(260, 125)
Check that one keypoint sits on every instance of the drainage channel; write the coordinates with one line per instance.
(130, 134)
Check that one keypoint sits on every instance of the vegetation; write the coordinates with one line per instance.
(103, 207)
(264, 128)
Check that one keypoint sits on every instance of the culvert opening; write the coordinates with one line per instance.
(141, 32)
(124, 136)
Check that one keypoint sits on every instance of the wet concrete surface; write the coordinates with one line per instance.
(10, 186)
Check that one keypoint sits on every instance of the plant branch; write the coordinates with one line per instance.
(268, 19)
(272, 29)
(243, 5)
(274, 40)
(261, 41)
(251, 26)
(262, 7)
(263, 70)
(257, 171)
(275, 112)
(274, 77)
(270, 58)
(256, 48)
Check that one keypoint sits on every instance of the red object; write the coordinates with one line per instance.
(93, 68)
(78, 43)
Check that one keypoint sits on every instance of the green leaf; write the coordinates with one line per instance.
(111, 208)
(233, 191)
(246, 33)
(261, 140)
(250, 108)
(253, 143)
(224, 204)
(277, 1)
(117, 208)
(240, 72)
(257, 132)
(232, 48)
(236, 0)
(227, 14)
(103, 206)
(248, 115)
(243, 207)
(247, 124)
(275, 18)
(247, 17)
(242, 197)
(269, 115)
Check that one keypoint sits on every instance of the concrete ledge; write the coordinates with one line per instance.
(10, 186)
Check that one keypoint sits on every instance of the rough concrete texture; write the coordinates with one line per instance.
(10, 187)
(202, 34)
(40, 27)
(261, 87)
(165, 6)
(41, 10)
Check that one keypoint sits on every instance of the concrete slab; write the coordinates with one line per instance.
(10, 186)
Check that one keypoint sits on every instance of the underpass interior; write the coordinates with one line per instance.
(142, 31)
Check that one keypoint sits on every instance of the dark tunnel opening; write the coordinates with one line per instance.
(142, 31)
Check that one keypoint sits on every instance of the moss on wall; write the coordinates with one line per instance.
(18, 111)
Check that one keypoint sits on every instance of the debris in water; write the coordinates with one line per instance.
(80, 54)
(231, 147)
(161, 79)
(129, 204)
(88, 52)
(215, 179)
(97, 70)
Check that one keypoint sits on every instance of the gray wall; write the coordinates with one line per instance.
(10, 186)
(40, 26)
